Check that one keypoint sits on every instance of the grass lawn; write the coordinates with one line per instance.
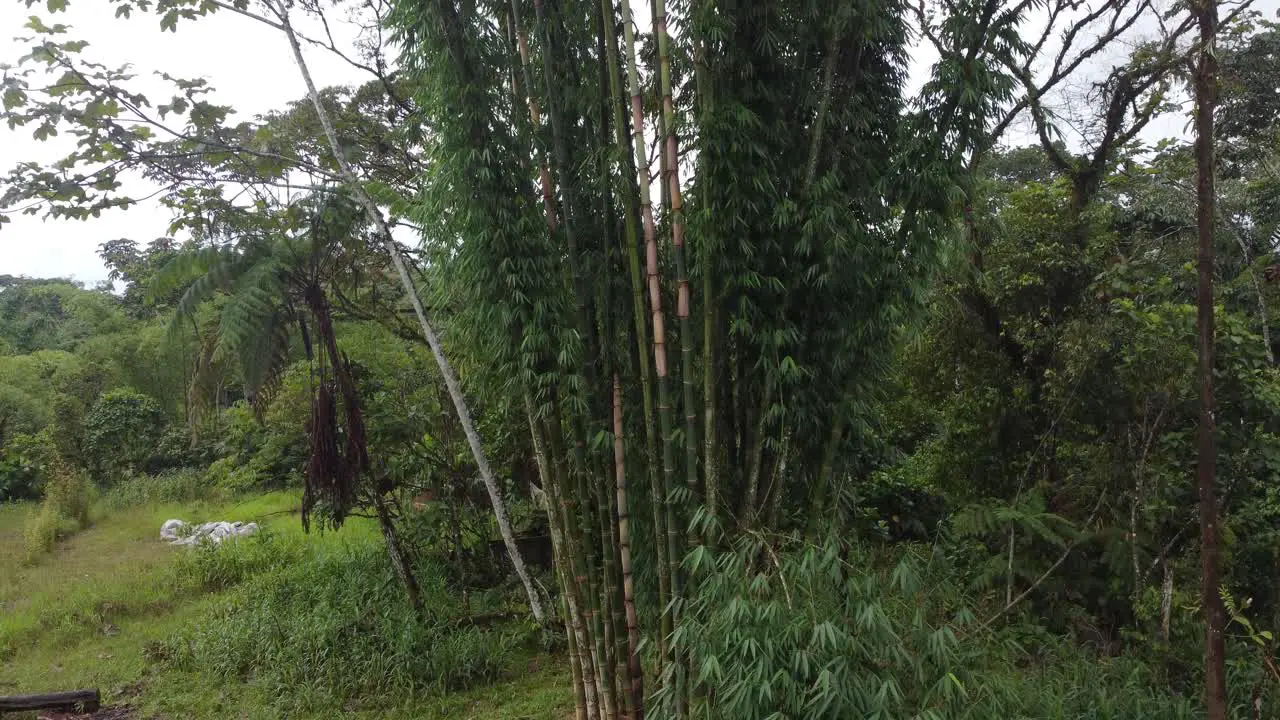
(93, 612)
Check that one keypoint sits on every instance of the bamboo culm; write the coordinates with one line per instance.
(632, 251)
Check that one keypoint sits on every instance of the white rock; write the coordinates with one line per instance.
(178, 532)
(173, 530)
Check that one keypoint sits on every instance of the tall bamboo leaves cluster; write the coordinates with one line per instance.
(776, 236)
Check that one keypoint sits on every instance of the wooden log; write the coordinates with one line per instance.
(70, 700)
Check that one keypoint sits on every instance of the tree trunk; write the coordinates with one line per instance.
(1166, 601)
(399, 560)
(437, 350)
(1206, 89)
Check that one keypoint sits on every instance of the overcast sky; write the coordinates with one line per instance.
(250, 67)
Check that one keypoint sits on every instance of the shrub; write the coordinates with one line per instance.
(64, 510)
(69, 493)
(259, 453)
(121, 433)
(40, 531)
(24, 462)
(229, 475)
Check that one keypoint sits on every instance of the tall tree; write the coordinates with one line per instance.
(1205, 85)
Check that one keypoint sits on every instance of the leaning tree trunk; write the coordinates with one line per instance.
(437, 350)
(1206, 90)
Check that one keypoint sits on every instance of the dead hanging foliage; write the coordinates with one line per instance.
(327, 477)
(336, 434)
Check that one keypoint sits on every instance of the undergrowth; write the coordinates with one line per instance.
(780, 628)
(170, 486)
(325, 626)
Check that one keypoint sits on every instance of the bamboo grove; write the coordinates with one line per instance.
(692, 347)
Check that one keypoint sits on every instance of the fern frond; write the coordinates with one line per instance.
(254, 327)
(182, 268)
(262, 377)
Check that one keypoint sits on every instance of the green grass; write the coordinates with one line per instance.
(103, 607)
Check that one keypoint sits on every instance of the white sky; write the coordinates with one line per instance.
(251, 68)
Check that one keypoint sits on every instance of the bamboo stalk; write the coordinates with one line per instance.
(675, 213)
(556, 523)
(655, 306)
(608, 504)
(641, 329)
(580, 591)
(600, 628)
(636, 672)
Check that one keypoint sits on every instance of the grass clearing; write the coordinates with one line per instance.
(109, 606)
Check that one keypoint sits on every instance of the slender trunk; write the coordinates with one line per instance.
(710, 446)
(575, 665)
(669, 149)
(1008, 572)
(710, 439)
(399, 559)
(608, 544)
(1166, 601)
(751, 502)
(564, 567)
(1206, 90)
(580, 599)
(818, 505)
(607, 496)
(655, 305)
(1133, 533)
(437, 350)
(632, 209)
(634, 670)
(819, 124)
